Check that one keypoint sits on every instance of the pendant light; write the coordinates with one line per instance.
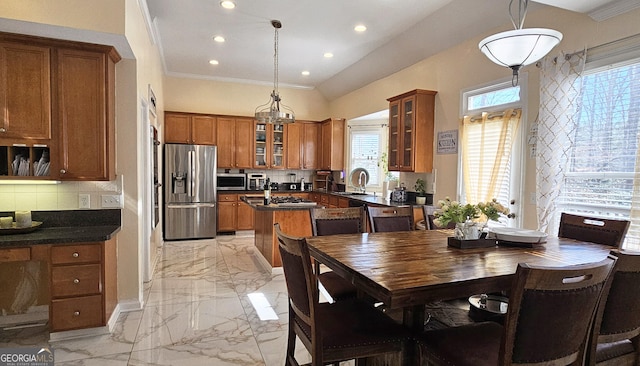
(519, 47)
(274, 111)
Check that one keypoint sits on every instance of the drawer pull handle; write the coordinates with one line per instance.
(75, 254)
(63, 171)
(2, 129)
(76, 280)
(76, 313)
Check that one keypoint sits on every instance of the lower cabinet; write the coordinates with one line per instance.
(83, 285)
(233, 214)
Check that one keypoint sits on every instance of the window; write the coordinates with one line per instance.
(366, 145)
(603, 158)
(599, 178)
(490, 158)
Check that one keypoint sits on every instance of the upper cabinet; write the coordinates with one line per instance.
(269, 146)
(411, 125)
(186, 128)
(332, 144)
(25, 92)
(235, 141)
(86, 114)
(302, 144)
(58, 109)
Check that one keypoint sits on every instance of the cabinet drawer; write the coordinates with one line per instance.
(227, 197)
(15, 254)
(75, 313)
(324, 199)
(75, 280)
(69, 254)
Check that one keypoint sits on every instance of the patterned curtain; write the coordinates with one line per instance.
(560, 85)
(487, 141)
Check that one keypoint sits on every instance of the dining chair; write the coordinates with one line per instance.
(349, 329)
(385, 219)
(591, 229)
(548, 320)
(332, 221)
(615, 339)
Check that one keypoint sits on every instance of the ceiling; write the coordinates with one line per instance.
(399, 34)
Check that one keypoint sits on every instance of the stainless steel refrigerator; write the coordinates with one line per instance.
(190, 191)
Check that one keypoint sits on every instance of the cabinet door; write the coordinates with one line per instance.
(394, 136)
(243, 143)
(332, 144)
(25, 92)
(293, 142)
(177, 128)
(227, 216)
(260, 148)
(407, 128)
(245, 216)
(310, 145)
(85, 126)
(277, 147)
(203, 130)
(225, 131)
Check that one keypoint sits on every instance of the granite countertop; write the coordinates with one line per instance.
(370, 198)
(72, 226)
(258, 205)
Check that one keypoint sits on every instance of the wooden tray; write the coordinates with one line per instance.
(467, 244)
(20, 230)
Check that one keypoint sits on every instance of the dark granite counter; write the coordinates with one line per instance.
(72, 226)
(258, 205)
(373, 199)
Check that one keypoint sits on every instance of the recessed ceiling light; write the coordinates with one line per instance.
(360, 28)
(213, 62)
(219, 39)
(305, 73)
(328, 55)
(228, 4)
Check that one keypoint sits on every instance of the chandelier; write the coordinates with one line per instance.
(274, 111)
(519, 47)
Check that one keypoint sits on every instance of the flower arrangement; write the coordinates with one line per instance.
(453, 211)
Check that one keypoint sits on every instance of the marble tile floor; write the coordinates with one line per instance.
(197, 312)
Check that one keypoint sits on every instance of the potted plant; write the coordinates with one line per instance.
(421, 194)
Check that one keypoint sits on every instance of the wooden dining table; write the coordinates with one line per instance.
(406, 270)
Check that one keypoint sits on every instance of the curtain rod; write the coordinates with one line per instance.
(492, 115)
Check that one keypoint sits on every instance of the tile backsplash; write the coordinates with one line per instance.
(63, 196)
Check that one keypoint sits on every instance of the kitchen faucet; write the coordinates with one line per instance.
(362, 180)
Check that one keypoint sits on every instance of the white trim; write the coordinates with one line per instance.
(151, 31)
(613, 8)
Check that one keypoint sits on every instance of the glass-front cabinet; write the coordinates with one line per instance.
(269, 146)
(411, 123)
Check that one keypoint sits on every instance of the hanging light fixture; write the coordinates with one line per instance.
(519, 47)
(274, 111)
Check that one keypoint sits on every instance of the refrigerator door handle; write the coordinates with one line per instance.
(191, 179)
(190, 205)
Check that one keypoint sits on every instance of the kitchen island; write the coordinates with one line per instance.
(294, 219)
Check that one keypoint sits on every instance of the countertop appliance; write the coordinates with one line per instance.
(231, 181)
(256, 181)
(190, 191)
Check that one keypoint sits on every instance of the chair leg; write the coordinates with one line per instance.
(291, 342)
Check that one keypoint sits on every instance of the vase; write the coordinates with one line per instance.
(467, 230)
(385, 189)
(421, 200)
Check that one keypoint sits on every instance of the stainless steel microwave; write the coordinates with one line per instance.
(231, 181)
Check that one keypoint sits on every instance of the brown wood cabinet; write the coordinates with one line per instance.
(269, 146)
(58, 104)
(82, 281)
(83, 285)
(302, 145)
(332, 144)
(411, 125)
(235, 142)
(233, 214)
(86, 114)
(25, 92)
(189, 128)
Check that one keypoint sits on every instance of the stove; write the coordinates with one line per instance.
(285, 201)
